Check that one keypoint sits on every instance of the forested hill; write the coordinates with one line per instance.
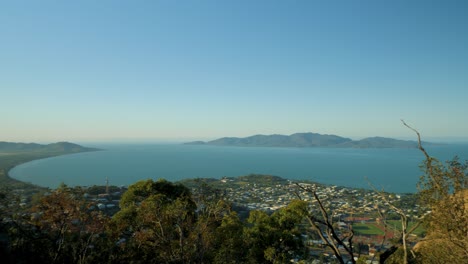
(13, 154)
(66, 147)
(305, 140)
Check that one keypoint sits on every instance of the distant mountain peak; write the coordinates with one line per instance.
(53, 147)
(307, 140)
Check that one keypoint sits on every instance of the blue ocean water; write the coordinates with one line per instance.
(394, 170)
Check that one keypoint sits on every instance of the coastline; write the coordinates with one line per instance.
(11, 160)
(395, 170)
(176, 162)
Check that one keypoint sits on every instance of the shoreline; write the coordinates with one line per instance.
(17, 159)
(78, 175)
(380, 167)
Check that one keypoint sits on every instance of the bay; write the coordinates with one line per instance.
(394, 170)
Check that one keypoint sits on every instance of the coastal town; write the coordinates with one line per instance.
(349, 207)
(366, 211)
(269, 193)
(359, 209)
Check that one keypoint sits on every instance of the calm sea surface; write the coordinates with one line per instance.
(395, 170)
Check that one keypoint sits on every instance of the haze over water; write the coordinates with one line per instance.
(395, 170)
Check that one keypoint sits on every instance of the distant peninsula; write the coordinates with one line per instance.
(13, 154)
(62, 147)
(308, 140)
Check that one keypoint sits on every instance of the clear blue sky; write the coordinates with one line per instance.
(159, 70)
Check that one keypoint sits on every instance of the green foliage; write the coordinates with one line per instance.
(443, 188)
(362, 260)
(398, 255)
(230, 240)
(162, 223)
(276, 238)
(60, 228)
(141, 190)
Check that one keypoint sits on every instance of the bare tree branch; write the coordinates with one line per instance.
(429, 159)
(332, 240)
(419, 139)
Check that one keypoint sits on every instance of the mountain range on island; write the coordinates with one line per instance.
(309, 140)
(34, 147)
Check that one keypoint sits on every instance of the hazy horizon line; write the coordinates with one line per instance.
(450, 139)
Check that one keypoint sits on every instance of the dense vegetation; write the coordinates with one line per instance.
(159, 222)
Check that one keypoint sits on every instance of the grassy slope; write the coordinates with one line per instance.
(397, 224)
(371, 229)
(366, 229)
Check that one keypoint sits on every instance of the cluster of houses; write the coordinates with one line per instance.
(353, 205)
(106, 200)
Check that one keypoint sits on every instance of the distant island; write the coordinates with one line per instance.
(309, 140)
